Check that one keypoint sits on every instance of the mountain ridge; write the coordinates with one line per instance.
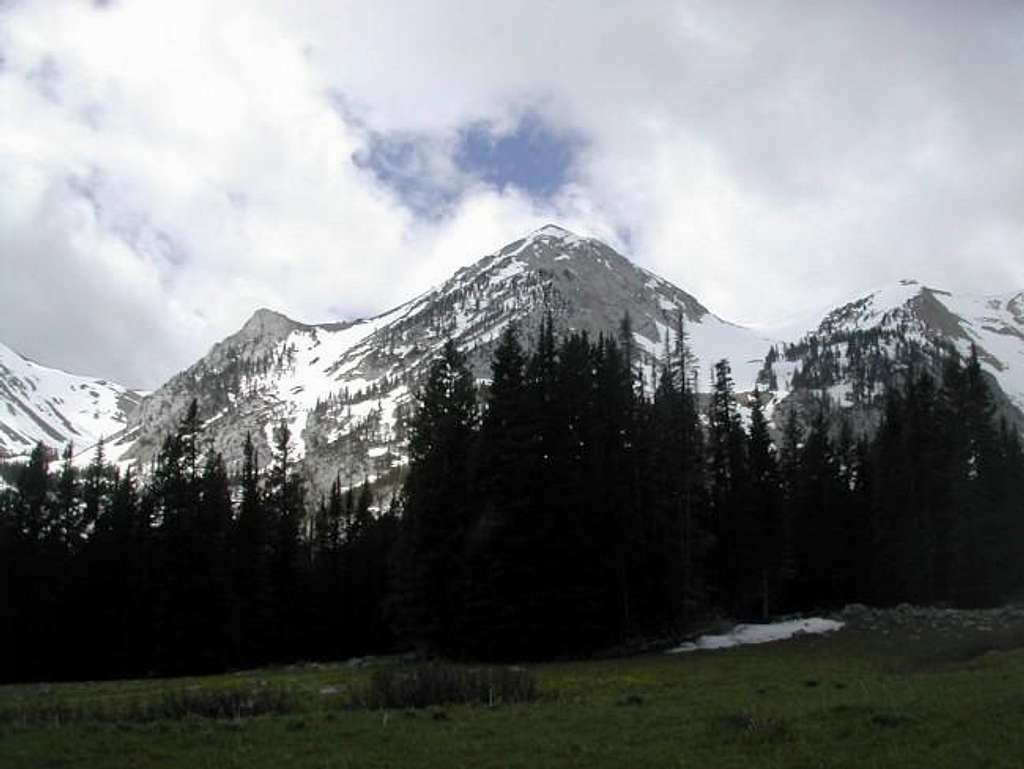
(344, 387)
(41, 403)
(857, 348)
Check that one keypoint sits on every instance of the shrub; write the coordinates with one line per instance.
(225, 703)
(427, 685)
(51, 712)
(170, 705)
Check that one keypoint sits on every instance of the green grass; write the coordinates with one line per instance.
(854, 699)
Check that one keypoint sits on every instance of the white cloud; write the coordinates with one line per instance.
(167, 167)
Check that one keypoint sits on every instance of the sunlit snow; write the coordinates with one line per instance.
(742, 635)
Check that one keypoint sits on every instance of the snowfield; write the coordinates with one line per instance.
(38, 403)
(743, 635)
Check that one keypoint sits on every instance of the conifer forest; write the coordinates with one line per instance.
(563, 509)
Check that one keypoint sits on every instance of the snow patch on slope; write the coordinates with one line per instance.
(743, 635)
(996, 325)
(38, 403)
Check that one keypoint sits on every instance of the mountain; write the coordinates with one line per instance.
(863, 346)
(344, 388)
(45, 404)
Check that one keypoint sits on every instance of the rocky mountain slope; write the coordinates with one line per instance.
(44, 404)
(344, 388)
(860, 348)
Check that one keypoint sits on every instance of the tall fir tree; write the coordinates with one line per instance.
(285, 499)
(438, 503)
(505, 535)
(730, 493)
(252, 618)
(765, 536)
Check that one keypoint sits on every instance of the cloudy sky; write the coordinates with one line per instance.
(166, 168)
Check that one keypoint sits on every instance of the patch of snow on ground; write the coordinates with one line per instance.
(743, 635)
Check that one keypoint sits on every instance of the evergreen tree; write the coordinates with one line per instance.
(672, 487)
(730, 494)
(252, 620)
(69, 519)
(285, 498)
(574, 513)
(438, 503)
(95, 487)
(816, 526)
(33, 486)
(37, 560)
(213, 562)
(505, 534)
(766, 540)
(182, 585)
(976, 531)
(363, 517)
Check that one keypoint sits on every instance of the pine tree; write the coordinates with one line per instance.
(69, 519)
(363, 517)
(789, 472)
(33, 562)
(95, 487)
(730, 494)
(505, 535)
(213, 563)
(1010, 500)
(131, 543)
(816, 526)
(670, 532)
(438, 503)
(285, 500)
(33, 485)
(766, 542)
(252, 621)
(616, 517)
(976, 527)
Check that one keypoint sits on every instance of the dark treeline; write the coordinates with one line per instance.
(570, 511)
(192, 572)
(565, 509)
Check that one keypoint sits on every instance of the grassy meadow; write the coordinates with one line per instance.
(857, 698)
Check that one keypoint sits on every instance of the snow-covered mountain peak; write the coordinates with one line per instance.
(265, 323)
(861, 346)
(553, 231)
(38, 403)
(265, 319)
(868, 309)
(262, 333)
(549, 239)
(345, 388)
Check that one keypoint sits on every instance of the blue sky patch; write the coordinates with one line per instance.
(533, 157)
(429, 176)
(406, 163)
